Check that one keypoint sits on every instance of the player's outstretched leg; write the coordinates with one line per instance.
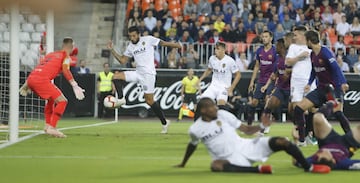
(49, 107)
(149, 98)
(226, 166)
(60, 105)
(283, 144)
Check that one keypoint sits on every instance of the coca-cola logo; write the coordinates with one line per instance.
(167, 96)
(352, 96)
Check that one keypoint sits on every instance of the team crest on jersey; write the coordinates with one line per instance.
(143, 43)
(270, 56)
(223, 65)
(218, 123)
(320, 61)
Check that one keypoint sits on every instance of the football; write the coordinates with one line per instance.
(111, 102)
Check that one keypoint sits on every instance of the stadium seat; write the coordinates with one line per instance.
(145, 4)
(29, 59)
(24, 37)
(229, 47)
(6, 36)
(4, 47)
(1, 37)
(3, 27)
(159, 4)
(36, 37)
(241, 47)
(27, 27)
(347, 39)
(250, 37)
(21, 19)
(333, 39)
(131, 5)
(40, 28)
(4, 18)
(34, 19)
(23, 48)
(265, 5)
(35, 47)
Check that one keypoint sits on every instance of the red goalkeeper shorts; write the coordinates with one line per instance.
(44, 88)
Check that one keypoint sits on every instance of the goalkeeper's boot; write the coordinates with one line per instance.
(54, 132)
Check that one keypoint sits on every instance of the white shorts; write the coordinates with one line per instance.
(216, 93)
(147, 81)
(297, 87)
(257, 150)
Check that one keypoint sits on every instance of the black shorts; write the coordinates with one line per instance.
(318, 96)
(258, 94)
(190, 97)
(282, 95)
(347, 140)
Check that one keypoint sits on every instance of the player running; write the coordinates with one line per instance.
(40, 81)
(231, 153)
(327, 72)
(223, 67)
(266, 63)
(334, 150)
(142, 49)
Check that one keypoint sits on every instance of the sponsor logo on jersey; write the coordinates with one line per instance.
(266, 62)
(209, 136)
(270, 56)
(143, 43)
(321, 61)
(218, 123)
(319, 69)
(139, 51)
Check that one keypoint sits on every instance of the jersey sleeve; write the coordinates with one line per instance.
(153, 40)
(348, 164)
(210, 62)
(194, 140)
(257, 54)
(128, 52)
(234, 68)
(291, 52)
(183, 81)
(337, 74)
(230, 118)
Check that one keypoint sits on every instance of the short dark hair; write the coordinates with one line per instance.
(68, 40)
(204, 102)
(289, 34)
(312, 36)
(300, 28)
(267, 31)
(220, 44)
(323, 161)
(134, 29)
(281, 41)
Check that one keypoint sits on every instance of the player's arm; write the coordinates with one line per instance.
(235, 82)
(250, 130)
(182, 91)
(254, 74)
(338, 75)
(170, 44)
(121, 58)
(79, 92)
(190, 149)
(207, 72)
(271, 79)
(291, 59)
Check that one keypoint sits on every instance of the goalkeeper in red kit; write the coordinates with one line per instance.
(39, 81)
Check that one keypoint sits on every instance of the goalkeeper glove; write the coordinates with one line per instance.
(24, 90)
(78, 91)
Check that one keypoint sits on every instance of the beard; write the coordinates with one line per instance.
(135, 41)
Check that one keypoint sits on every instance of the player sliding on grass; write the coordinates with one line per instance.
(39, 81)
(142, 49)
(231, 153)
(334, 150)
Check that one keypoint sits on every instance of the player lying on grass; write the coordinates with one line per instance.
(334, 150)
(231, 153)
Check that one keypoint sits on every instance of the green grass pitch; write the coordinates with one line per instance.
(135, 151)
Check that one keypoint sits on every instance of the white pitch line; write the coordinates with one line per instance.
(7, 144)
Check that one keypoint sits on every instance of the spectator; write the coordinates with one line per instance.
(352, 57)
(302, 20)
(229, 4)
(324, 5)
(273, 23)
(340, 44)
(288, 23)
(338, 14)
(219, 25)
(215, 38)
(143, 28)
(191, 21)
(186, 38)
(324, 39)
(279, 32)
(357, 66)
(167, 21)
(352, 12)
(326, 16)
(150, 8)
(172, 29)
(240, 33)
(217, 12)
(136, 8)
(340, 53)
(210, 31)
(316, 22)
(173, 58)
(195, 29)
(292, 12)
(190, 8)
(82, 69)
(241, 61)
(355, 27)
(204, 8)
(343, 27)
(150, 21)
(162, 13)
(191, 57)
(310, 10)
(234, 23)
(216, 3)
(249, 24)
(281, 6)
(227, 34)
(159, 28)
(171, 36)
(245, 13)
(228, 15)
(200, 37)
(343, 65)
(135, 20)
(184, 26)
(297, 4)
(271, 13)
(260, 21)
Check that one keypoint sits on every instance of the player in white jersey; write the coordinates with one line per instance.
(142, 49)
(298, 60)
(223, 67)
(232, 153)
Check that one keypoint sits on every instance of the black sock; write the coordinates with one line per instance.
(309, 122)
(326, 109)
(119, 85)
(234, 168)
(251, 113)
(280, 143)
(344, 122)
(300, 122)
(159, 113)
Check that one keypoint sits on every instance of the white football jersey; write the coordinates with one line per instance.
(143, 53)
(219, 136)
(222, 70)
(302, 68)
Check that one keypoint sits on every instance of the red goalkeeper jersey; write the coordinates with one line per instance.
(51, 65)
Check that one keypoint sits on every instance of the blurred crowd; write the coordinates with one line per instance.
(204, 22)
